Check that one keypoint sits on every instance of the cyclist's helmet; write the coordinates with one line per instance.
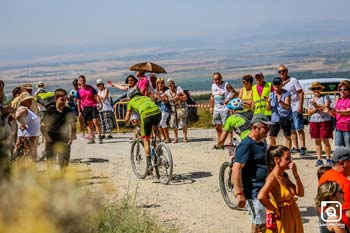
(134, 92)
(235, 104)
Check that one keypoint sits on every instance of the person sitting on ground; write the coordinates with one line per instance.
(150, 117)
(59, 128)
(339, 172)
(238, 122)
(279, 103)
(278, 193)
(329, 193)
(320, 122)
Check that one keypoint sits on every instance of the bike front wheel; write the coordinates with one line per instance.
(164, 163)
(138, 159)
(226, 185)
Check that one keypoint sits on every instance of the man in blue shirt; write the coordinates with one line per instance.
(249, 170)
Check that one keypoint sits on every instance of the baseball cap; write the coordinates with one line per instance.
(99, 81)
(27, 86)
(341, 153)
(261, 118)
(259, 73)
(277, 81)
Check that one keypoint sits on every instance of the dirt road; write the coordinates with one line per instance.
(192, 202)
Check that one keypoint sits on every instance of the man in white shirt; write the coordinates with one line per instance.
(297, 100)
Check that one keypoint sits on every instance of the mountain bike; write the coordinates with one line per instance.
(226, 180)
(161, 157)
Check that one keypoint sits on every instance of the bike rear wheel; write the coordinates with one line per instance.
(138, 159)
(164, 163)
(226, 185)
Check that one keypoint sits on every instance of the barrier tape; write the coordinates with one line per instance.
(198, 105)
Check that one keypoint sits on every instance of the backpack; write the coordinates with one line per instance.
(46, 99)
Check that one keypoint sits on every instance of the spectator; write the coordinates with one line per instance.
(2, 94)
(279, 103)
(330, 192)
(106, 110)
(87, 100)
(59, 128)
(278, 193)
(132, 84)
(321, 170)
(41, 88)
(261, 92)
(320, 122)
(338, 173)
(161, 100)
(178, 114)
(246, 94)
(249, 170)
(73, 93)
(341, 112)
(217, 103)
(28, 123)
(143, 82)
(296, 100)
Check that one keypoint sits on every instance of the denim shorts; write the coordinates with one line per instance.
(257, 211)
(219, 117)
(297, 121)
(342, 138)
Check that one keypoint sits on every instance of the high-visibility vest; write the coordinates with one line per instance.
(260, 104)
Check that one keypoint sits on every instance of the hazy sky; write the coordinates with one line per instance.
(46, 23)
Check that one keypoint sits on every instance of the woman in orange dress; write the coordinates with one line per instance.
(278, 193)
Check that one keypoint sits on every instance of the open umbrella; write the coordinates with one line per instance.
(148, 67)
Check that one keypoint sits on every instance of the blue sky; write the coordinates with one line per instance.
(45, 23)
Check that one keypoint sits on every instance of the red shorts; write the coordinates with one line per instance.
(321, 129)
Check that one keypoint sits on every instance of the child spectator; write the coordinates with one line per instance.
(105, 110)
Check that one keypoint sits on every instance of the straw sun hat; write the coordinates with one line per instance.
(316, 85)
(24, 96)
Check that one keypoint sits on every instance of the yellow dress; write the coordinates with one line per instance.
(290, 218)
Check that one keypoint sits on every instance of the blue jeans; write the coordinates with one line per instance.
(342, 138)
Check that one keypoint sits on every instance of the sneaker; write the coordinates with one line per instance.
(302, 151)
(109, 137)
(294, 150)
(103, 136)
(91, 141)
(329, 162)
(319, 162)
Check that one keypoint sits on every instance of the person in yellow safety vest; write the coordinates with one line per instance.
(261, 92)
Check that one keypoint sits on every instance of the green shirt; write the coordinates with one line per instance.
(233, 122)
(144, 106)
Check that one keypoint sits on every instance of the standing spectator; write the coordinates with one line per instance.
(87, 100)
(249, 170)
(40, 88)
(143, 82)
(296, 100)
(261, 92)
(339, 172)
(153, 85)
(178, 117)
(330, 192)
(73, 92)
(106, 110)
(279, 103)
(2, 94)
(59, 127)
(161, 100)
(278, 193)
(246, 94)
(131, 82)
(217, 103)
(341, 112)
(28, 123)
(320, 122)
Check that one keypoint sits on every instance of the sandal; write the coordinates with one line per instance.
(167, 141)
(175, 141)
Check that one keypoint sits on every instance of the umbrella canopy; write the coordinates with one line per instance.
(148, 67)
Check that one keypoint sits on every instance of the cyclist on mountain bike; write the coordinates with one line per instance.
(239, 122)
(150, 115)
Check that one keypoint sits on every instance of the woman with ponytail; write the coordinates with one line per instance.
(278, 193)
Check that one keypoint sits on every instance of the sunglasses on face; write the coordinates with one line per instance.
(316, 88)
(343, 89)
(282, 71)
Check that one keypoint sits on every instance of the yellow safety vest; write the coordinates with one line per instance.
(260, 104)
